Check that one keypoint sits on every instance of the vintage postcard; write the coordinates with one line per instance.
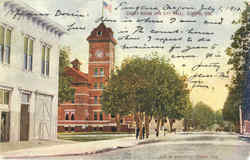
(124, 79)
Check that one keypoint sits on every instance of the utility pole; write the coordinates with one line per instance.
(241, 124)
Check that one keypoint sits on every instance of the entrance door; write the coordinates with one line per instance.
(24, 123)
(5, 127)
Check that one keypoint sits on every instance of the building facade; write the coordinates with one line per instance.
(29, 57)
(85, 113)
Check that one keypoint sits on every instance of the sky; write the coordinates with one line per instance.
(216, 92)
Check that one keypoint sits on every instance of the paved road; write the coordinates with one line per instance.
(179, 147)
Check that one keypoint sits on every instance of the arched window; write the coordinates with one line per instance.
(72, 116)
(99, 33)
(67, 116)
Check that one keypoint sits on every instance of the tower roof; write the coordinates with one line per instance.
(76, 64)
(102, 33)
(76, 61)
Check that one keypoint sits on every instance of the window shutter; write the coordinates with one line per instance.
(43, 59)
(1, 35)
(48, 63)
(8, 37)
(31, 47)
(48, 54)
(25, 45)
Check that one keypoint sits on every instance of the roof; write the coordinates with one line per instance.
(76, 61)
(106, 34)
(33, 15)
(78, 76)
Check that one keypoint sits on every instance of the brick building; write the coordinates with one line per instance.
(85, 112)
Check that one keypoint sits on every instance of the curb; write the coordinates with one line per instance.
(71, 154)
(85, 153)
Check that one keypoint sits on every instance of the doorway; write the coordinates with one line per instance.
(24, 123)
(5, 127)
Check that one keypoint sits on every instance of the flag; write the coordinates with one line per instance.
(107, 6)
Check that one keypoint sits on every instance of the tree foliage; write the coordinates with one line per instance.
(203, 116)
(231, 106)
(145, 87)
(219, 118)
(66, 93)
(237, 53)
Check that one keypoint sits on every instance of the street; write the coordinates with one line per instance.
(178, 147)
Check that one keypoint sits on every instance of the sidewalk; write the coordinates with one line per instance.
(69, 148)
(73, 149)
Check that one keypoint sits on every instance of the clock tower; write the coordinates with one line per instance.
(101, 62)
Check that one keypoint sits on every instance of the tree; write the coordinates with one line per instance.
(231, 107)
(219, 118)
(188, 115)
(66, 93)
(113, 100)
(238, 56)
(203, 116)
(145, 87)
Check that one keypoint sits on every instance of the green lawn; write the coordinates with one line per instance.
(87, 139)
(91, 133)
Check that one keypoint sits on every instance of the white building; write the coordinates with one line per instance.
(29, 59)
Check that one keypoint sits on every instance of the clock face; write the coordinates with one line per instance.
(99, 53)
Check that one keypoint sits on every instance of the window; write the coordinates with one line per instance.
(101, 85)
(72, 116)
(28, 53)
(4, 97)
(5, 43)
(101, 116)
(95, 85)
(99, 33)
(45, 60)
(100, 99)
(67, 116)
(95, 100)
(101, 71)
(1, 43)
(96, 72)
(95, 115)
(25, 98)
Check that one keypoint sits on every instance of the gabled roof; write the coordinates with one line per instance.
(78, 76)
(106, 34)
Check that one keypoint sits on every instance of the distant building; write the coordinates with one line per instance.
(29, 57)
(85, 112)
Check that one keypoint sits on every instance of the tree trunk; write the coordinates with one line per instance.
(118, 125)
(162, 122)
(140, 124)
(171, 122)
(147, 122)
(185, 125)
(137, 120)
(158, 126)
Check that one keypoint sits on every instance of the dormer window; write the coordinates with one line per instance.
(99, 33)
